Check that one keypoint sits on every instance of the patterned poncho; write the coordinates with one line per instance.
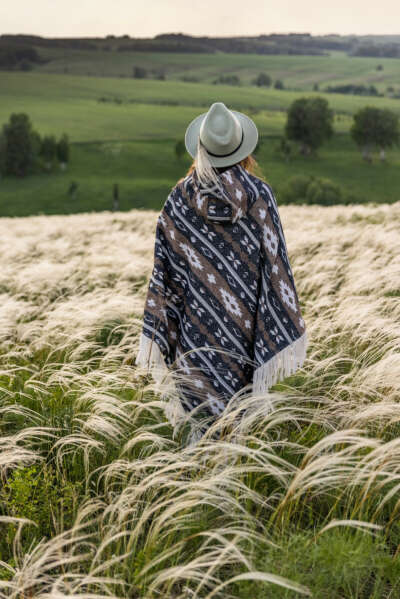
(222, 312)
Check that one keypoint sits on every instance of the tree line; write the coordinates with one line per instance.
(267, 44)
(262, 79)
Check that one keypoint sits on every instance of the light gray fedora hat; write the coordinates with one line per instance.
(227, 135)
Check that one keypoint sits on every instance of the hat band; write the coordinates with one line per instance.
(230, 153)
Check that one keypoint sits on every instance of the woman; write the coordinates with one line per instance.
(221, 313)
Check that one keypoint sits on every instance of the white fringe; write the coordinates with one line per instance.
(150, 356)
(283, 364)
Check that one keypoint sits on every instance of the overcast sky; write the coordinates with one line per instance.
(145, 18)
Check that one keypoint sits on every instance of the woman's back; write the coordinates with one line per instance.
(222, 303)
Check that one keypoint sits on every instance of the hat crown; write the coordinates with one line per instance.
(220, 131)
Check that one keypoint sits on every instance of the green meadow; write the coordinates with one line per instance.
(146, 171)
(123, 130)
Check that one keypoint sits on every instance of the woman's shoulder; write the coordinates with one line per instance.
(265, 191)
(177, 193)
(263, 186)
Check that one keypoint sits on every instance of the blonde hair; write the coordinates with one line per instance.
(208, 174)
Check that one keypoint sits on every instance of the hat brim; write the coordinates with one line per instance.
(250, 139)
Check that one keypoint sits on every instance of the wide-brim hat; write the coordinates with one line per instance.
(227, 135)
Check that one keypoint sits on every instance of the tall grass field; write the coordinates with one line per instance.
(102, 496)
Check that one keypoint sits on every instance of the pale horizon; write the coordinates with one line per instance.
(213, 18)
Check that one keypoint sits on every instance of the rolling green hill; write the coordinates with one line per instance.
(297, 72)
(144, 118)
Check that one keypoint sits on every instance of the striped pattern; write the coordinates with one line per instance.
(221, 304)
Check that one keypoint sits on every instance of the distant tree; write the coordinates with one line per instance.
(375, 127)
(263, 80)
(387, 132)
(63, 150)
(362, 129)
(19, 145)
(36, 145)
(48, 150)
(139, 72)
(17, 56)
(279, 84)
(315, 87)
(309, 122)
(180, 149)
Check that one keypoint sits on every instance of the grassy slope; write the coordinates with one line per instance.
(58, 103)
(95, 167)
(37, 91)
(300, 72)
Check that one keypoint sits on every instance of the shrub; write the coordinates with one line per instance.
(190, 79)
(263, 79)
(227, 80)
(139, 72)
(307, 189)
(324, 191)
(295, 190)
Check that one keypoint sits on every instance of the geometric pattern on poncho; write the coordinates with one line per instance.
(221, 301)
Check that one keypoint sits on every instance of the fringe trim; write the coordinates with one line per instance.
(283, 364)
(150, 356)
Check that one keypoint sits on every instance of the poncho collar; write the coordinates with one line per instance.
(225, 204)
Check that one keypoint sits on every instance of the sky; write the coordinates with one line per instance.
(146, 18)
